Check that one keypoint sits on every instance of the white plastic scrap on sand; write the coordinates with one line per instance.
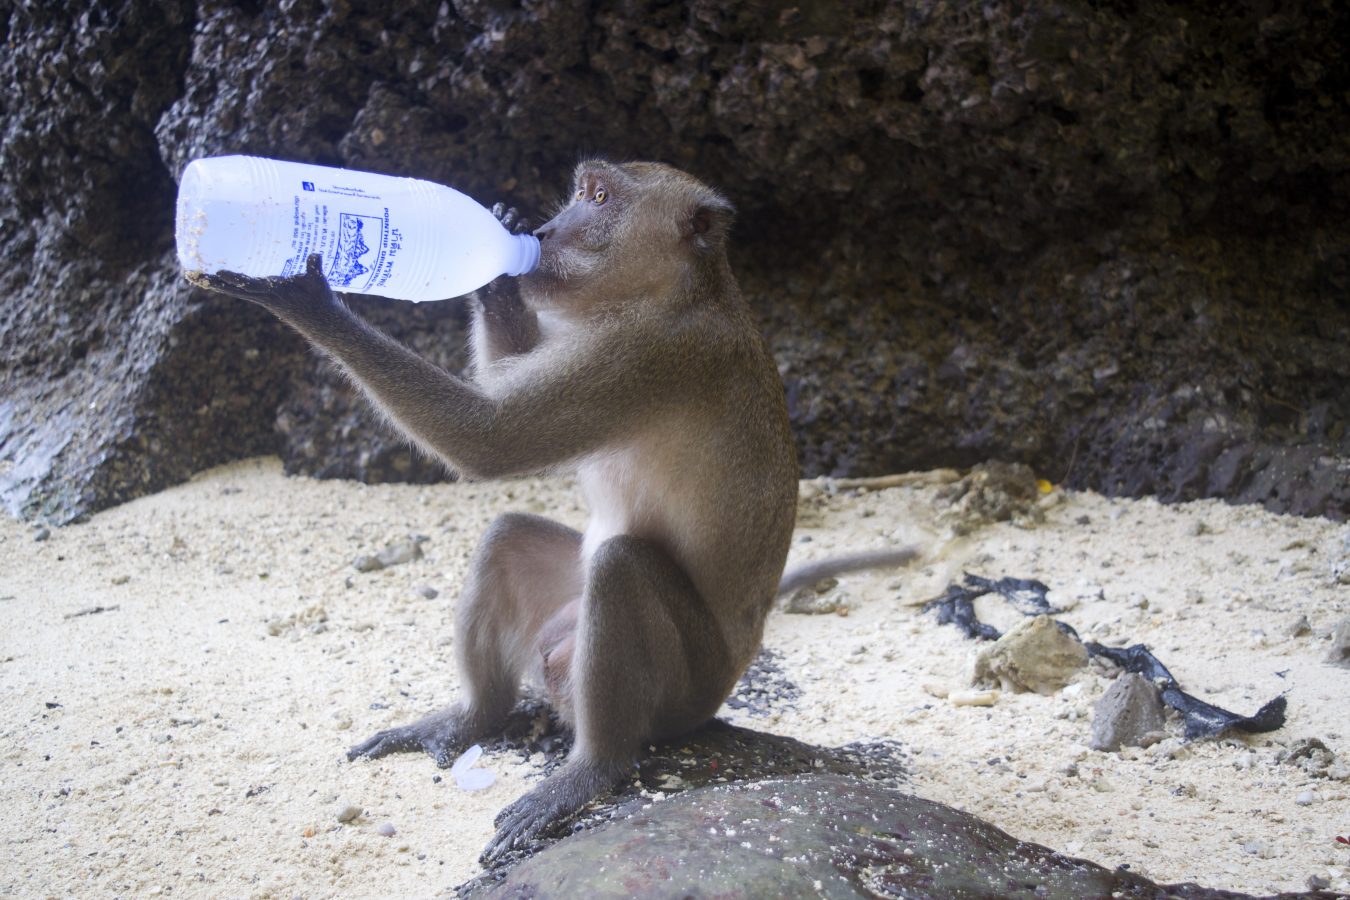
(468, 778)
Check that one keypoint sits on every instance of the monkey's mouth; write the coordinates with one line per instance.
(558, 265)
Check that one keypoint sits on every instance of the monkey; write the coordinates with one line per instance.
(630, 359)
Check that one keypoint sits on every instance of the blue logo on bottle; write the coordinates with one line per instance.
(347, 265)
(307, 185)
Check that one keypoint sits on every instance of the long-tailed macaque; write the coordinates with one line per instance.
(630, 359)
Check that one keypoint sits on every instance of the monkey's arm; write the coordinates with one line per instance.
(555, 412)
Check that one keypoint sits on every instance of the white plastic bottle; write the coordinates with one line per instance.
(377, 234)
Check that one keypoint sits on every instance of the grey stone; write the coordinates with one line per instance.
(367, 562)
(1339, 654)
(1129, 714)
(400, 552)
(395, 554)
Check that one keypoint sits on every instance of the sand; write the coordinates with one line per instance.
(181, 676)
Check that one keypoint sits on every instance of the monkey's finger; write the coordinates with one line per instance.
(234, 283)
(510, 218)
(314, 267)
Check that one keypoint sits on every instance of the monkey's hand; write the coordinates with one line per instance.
(511, 219)
(296, 297)
(504, 324)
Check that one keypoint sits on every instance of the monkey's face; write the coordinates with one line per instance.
(627, 233)
(575, 246)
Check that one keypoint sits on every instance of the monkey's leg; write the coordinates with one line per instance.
(649, 662)
(525, 571)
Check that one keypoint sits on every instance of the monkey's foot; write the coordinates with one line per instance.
(442, 735)
(561, 794)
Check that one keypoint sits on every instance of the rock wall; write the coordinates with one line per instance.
(1105, 239)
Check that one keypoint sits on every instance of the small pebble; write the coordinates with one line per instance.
(400, 552)
(348, 812)
(972, 698)
(387, 829)
(1339, 654)
(367, 563)
(42, 533)
(1305, 798)
(1299, 627)
(1260, 848)
(428, 592)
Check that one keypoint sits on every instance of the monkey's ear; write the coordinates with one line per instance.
(708, 223)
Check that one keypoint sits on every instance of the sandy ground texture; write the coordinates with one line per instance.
(180, 678)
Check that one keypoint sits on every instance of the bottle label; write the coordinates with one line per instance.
(349, 228)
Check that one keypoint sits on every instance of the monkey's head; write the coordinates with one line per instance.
(632, 232)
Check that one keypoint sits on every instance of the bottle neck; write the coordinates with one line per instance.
(527, 255)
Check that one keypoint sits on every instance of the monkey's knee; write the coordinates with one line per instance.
(516, 542)
(636, 563)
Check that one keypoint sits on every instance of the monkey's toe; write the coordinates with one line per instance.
(560, 795)
(392, 740)
(517, 825)
(442, 736)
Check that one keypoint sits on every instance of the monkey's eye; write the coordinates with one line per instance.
(581, 195)
(600, 196)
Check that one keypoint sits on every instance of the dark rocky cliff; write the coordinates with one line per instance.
(1109, 239)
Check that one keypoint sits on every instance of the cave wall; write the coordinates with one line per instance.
(1109, 240)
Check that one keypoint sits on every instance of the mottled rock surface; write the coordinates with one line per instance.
(812, 836)
(1109, 241)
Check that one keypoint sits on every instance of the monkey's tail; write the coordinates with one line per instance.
(810, 573)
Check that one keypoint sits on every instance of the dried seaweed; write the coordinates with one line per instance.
(1202, 720)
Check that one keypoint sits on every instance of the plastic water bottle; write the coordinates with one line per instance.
(377, 234)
